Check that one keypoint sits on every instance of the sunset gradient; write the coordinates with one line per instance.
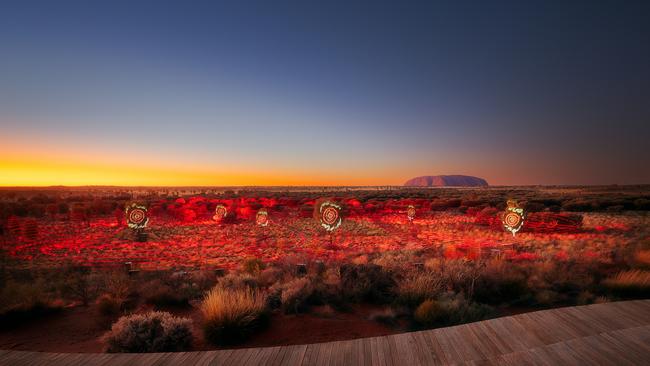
(323, 94)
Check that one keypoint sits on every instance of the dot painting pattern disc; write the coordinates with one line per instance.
(136, 216)
(220, 213)
(262, 217)
(410, 212)
(513, 218)
(330, 216)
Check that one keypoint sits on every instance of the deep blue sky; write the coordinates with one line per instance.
(518, 92)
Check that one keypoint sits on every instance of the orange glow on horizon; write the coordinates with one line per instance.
(40, 163)
(54, 171)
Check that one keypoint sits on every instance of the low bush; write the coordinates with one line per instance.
(238, 281)
(118, 285)
(642, 258)
(632, 283)
(295, 295)
(109, 306)
(151, 332)
(15, 295)
(415, 288)
(449, 310)
(548, 298)
(161, 295)
(253, 266)
(500, 284)
(24, 302)
(270, 276)
(230, 315)
(386, 316)
(366, 282)
(80, 284)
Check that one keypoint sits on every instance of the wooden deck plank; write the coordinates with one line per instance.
(294, 355)
(220, 357)
(423, 350)
(322, 357)
(367, 352)
(310, 355)
(608, 334)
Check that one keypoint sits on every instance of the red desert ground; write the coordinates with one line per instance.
(80, 275)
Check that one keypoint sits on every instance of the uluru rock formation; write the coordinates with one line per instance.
(446, 181)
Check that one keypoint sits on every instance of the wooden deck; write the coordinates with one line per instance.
(615, 333)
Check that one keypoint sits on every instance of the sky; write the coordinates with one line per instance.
(323, 92)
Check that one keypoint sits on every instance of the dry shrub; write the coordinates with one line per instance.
(238, 281)
(386, 316)
(151, 332)
(448, 310)
(642, 258)
(601, 300)
(457, 274)
(328, 290)
(118, 285)
(270, 276)
(81, 284)
(634, 283)
(108, 306)
(24, 296)
(161, 295)
(24, 302)
(367, 282)
(500, 283)
(418, 287)
(362, 259)
(230, 315)
(547, 297)
(115, 298)
(585, 297)
(295, 295)
(394, 260)
(253, 266)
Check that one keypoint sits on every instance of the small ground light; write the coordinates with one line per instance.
(330, 216)
(220, 212)
(410, 212)
(262, 217)
(136, 216)
(513, 219)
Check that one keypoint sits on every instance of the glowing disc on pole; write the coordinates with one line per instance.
(330, 215)
(513, 218)
(136, 216)
(410, 212)
(220, 213)
(262, 217)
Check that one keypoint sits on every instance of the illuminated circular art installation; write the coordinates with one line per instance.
(513, 219)
(330, 215)
(262, 217)
(136, 216)
(220, 213)
(410, 212)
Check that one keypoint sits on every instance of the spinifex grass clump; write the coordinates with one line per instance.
(633, 283)
(231, 314)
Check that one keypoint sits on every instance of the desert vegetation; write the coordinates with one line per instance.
(198, 284)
